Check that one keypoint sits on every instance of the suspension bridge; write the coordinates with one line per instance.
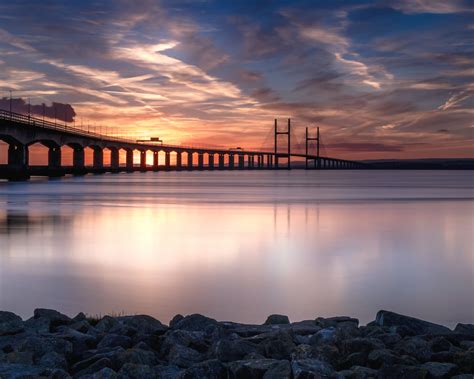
(22, 131)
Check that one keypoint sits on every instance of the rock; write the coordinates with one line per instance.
(252, 369)
(105, 373)
(305, 328)
(465, 361)
(195, 340)
(168, 372)
(37, 325)
(311, 368)
(440, 344)
(390, 319)
(279, 346)
(55, 318)
(362, 344)
(379, 357)
(175, 320)
(79, 317)
(281, 370)
(113, 340)
(137, 356)
(354, 359)
(80, 341)
(196, 322)
(360, 372)
(325, 336)
(466, 345)
(136, 371)
(80, 326)
(402, 371)
(10, 323)
(336, 322)
(53, 360)
(462, 376)
(211, 369)
(95, 367)
(233, 350)
(39, 346)
(303, 351)
(277, 320)
(415, 347)
(106, 323)
(143, 324)
(183, 356)
(23, 358)
(438, 370)
(19, 371)
(389, 339)
(467, 329)
(89, 360)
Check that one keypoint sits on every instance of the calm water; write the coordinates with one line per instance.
(241, 245)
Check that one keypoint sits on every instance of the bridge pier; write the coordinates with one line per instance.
(231, 161)
(114, 158)
(190, 160)
(211, 161)
(98, 159)
(221, 161)
(167, 160)
(142, 160)
(241, 162)
(129, 159)
(178, 160)
(78, 160)
(200, 161)
(18, 161)
(156, 155)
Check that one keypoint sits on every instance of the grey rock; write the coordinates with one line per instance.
(465, 361)
(466, 345)
(95, 367)
(54, 360)
(196, 322)
(80, 326)
(113, 340)
(281, 370)
(175, 320)
(463, 376)
(354, 359)
(379, 357)
(336, 322)
(251, 369)
(415, 347)
(95, 356)
(465, 329)
(37, 325)
(105, 373)
(311, 368)
(79, 317)
(211, 369)
(19, 371)
(303, 351)
(143, 324)
(279, 346)
(233, 350)
(359, 372)
(361, 344)
(10, 323)
(39, 346)
(440, 344)
(54, 317)
(106, 323)
(277, 320)
(387, 318)
(325, 336)
(136, 371)
(402, 371)
(137, 356)
(24, 358)
(438, 370)
(168, 372)
(183, 356)
(195, 340)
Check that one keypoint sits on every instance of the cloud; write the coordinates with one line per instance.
(432, 6)
(59, 111)
(455, 100)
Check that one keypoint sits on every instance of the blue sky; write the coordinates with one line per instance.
(381, 78)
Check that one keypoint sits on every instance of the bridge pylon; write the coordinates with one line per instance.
(317, 161)
(283, 155)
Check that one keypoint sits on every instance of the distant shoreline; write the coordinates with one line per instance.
(53, 345)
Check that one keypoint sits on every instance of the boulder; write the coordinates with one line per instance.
(39, 346)
(136, 371)
(440, 344)
(379, 357)
(254, 368)
(105, 373)
(23, 358)
(437, 370)
(354, 359)
(143, 324)
(106, 323)
(311, 368)
(196, 323)
(227, 350)
(392, 319)
(54, 360)
(10, 323)
(279, 345)
(19, 371)
(325, 336)
(113, 340)
(137, 356)
(402, 371)
(415, 347)
(55, 318)
(277, 320)
(465, 361)
(168, 372)
(95, 367)
(95, 356)
(211, 369)
(358, 372)
(336, 322)
(183, 356)
(361, 344)
(195, 340)
(465, 329)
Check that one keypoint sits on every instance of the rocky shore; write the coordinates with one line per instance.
(52, 345)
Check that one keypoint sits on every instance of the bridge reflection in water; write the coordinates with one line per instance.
(20, 132)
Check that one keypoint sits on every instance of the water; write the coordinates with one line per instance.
(241, 245)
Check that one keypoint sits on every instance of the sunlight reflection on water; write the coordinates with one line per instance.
(241, 245)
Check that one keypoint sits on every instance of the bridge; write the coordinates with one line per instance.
(22, 131)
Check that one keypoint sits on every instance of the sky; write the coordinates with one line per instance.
(382, 79)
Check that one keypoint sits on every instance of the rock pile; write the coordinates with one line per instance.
(52, 345)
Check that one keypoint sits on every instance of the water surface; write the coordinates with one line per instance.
(241, 245)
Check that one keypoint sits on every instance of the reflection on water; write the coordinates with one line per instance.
(239, 246)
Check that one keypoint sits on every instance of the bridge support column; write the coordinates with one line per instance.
(114, 158)
(142, 159)
(98, 161)
(129, 160)
(155, 160)
(241, 162)
(18, 162)
(211, 161)
(178, 160)
(221, 161)
(231, 161)
(200, 161)
(269, 161)
(78, 159)
(190, 160)
(251, 161)
(54, 157)
(167, 160)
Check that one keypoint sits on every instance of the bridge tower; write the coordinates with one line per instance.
(283, 155)
(308, 138)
